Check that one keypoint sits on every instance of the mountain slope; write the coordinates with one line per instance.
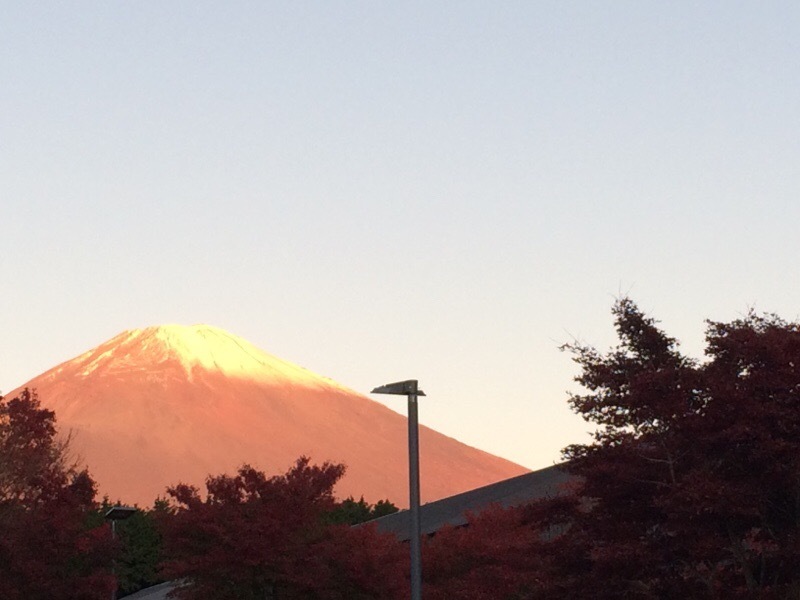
(155, 406)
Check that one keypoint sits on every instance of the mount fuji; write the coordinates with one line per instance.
(157, 406)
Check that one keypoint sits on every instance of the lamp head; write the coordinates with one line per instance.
(400, 388)
(120, 513)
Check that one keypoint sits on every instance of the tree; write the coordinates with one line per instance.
(507, 554)
(260, 537)
(487, 559)
(691, 486)
(47, 549)
(139, 544)
(689, 489)
(141, 548)
(352, 512)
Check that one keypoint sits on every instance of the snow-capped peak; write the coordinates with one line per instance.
(195, 347)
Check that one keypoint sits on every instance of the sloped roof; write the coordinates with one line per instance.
(452, 510)
(156, 592)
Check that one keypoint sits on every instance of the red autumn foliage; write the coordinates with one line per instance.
(690, 488)
(46, 549)
(694, 474)
(514, 553)
(485, 560)
(260, 537)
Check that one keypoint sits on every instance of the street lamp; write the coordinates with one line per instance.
(114, 514)
(118, 513)
(409, 388)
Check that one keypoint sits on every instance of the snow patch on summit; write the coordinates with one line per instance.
(197, 347)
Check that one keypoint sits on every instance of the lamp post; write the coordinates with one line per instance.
(410, 388)
(114, 514)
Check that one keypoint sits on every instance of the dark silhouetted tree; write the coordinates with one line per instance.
(689, 489)
(47, 549)
(139, 546)
(352, 512)
(692, 483)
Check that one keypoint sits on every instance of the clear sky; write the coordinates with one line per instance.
(378, 191)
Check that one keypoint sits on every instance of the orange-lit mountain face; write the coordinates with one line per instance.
(157, 406)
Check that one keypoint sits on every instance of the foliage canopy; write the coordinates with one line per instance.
(47, 549)
(260, 537)
(689, 489)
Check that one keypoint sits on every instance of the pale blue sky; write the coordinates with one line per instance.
(378, 191)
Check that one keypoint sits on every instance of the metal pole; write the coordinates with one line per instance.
(410, 388)
(413, 474)
(114, 560)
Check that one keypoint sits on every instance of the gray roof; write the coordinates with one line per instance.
(156, 592)
(453, 509)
